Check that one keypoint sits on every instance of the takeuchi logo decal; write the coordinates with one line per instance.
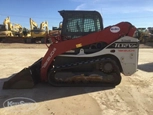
(49, 57)
(19, 102)
(114, 29)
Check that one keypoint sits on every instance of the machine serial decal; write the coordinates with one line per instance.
(124, 45)
(114, 29)
(49, 57)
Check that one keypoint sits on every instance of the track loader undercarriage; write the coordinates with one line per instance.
(102, 72)
(90, 72)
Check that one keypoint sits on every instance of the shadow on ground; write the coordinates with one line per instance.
(45, 92)
(148, 67)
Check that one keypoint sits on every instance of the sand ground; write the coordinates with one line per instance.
(134, 96)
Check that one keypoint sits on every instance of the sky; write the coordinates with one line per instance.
(137, 12)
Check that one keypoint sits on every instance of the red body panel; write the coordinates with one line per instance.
(102, 36)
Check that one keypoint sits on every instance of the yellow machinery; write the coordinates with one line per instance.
(17, 30)
(37, 34)
(10, 32)
(6, 28)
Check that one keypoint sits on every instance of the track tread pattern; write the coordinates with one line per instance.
(116, 74)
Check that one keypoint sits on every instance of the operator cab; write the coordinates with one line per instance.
(80, 23)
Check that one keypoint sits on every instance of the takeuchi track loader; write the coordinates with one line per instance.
(83, 54)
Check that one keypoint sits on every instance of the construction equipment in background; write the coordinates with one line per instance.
(10, 33)
(56, 30)
(4, 32)
(6, 28)
(17, 30)
(37, 34)
(83, 54)
(143, 35)
(150, 29)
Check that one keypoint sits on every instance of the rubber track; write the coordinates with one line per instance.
(115, 73)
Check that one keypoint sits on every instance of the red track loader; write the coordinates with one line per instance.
(83, 54)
